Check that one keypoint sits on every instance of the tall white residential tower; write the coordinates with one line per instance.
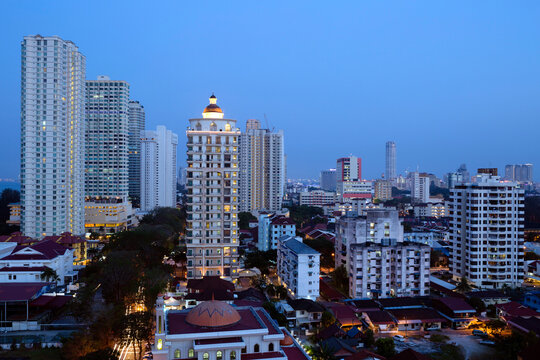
(158, 168)
(262, 168)
(52, 136)
(390, 172)
(212, 200)
(486, 232)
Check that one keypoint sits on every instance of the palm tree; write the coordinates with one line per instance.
(463, 285)
(50, 275)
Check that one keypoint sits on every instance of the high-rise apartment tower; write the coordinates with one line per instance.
(136, 124)
(390, 172)
(52, 136)
(213, 189)
(262, 168)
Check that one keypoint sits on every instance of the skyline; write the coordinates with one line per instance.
(411, 71)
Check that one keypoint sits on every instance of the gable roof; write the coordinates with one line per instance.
(305, 304)
(514, 308)
(44, 250)
(457, 305)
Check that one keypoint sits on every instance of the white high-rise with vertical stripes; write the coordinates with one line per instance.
(52, 136)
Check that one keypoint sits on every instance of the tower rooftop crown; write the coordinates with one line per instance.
(212, 111)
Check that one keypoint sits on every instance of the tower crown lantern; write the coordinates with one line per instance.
(212, 111)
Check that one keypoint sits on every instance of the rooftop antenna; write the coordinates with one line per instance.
(268, 126)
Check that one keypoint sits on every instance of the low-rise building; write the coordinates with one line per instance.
(383, 190)
(317, 198)
(456, 310)
(26, 264)
(302, 314)
(271, 228)
(215, 330)
(298, 268)
(14, 214)
(532, 300)
(431, 209)
(108, 215)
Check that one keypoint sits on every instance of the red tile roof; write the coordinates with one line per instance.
(513, 308)
(47, 250)
(66, 238)
(282, 220)
(20, 291)
(379, 317)
(262, 355)
(456, 304)
(18, 238)
(294, 353)
(423, 315)
(273, 328)
(176, 322)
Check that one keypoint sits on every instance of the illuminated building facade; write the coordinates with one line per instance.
(52, 136)
(213, 190)
(136, 124)
(262, 168)
(486, 232)
(158, 168)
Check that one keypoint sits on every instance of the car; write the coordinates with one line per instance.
(399, 338)
(487, 342)
(479, 333)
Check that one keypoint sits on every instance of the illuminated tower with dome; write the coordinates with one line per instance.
(212, 184)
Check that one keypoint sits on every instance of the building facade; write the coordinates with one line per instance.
(420, 187)
(349, 184)
(106, 138)
(158, 168)
(317, 198)
(383, 190)
(262, 168)
(486, 232)
(390, 172)
(52, 136)
(213, 189)
(328, 180)
(379, 263)
(521, 173)
(136, 124)
(271, 228)
(298, 268)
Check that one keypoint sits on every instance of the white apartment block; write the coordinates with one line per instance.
(486, 232)
(158, 168)
(271, 228)
(52, 136)
(383, 190)
(106, 216)
(379, 263)
(420, 187)
(298, 268)
(317, 198)
(351, 190)
(213, 189)
(106, 138)
(136, 124)
(437, 210)
(262, 168)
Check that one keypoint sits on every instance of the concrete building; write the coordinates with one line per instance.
(262, 168)
(215, 330)
(486, 232)
(298, 268)
(106, 138)
(431, 209)
(390, 172)
(158, 168)
(521, 173)
(317, 198)
(328, 180)
(271, 228)
(349, 180)
(52, 136)
(108, 215)
(212, 185)
(379, 263)
(383, 189)
(136, 124)
(14, 214)
(420, 187)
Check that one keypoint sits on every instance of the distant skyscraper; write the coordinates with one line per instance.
(420, 187)
(158, 168)
(390, 173)
(52, 136)
(328, 180)
(212, 184)
(106, 138)
(136, 124)
(522, 173)
(349, 184)
(489, 253)
(262, 168)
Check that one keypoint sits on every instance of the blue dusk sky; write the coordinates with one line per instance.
(450, 82)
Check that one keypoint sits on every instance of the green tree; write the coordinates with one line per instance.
(327, 319)
(104, 354)
(495, 326)
(385, 347)
(303, 214)
(244, 218)
(340, 279)
(463, 285)
(478, 304)
(368, 338)
(137, 329)
(261, 260)
(274, 314)
(50, 275)
(322, 352)
(325, 248)
(448, 352)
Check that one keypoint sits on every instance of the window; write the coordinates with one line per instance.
(219, 355)
(191, 353)
(206, 356)
(233, 355)
(256, 348)
(177, 354)
(271, 347)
